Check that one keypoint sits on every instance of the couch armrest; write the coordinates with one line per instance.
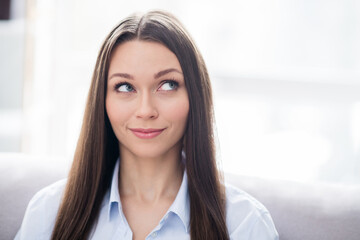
(21, 176)
(306, 211)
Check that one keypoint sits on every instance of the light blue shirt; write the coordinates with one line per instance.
(246, 218)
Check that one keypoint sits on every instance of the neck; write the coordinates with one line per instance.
(150, 179)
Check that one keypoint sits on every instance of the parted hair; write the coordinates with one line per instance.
(97, 149)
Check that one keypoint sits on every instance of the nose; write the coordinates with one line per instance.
(146, 108)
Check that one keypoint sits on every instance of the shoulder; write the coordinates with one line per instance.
(47, 200)
(48, 194)
(246, 217)
(41, 212)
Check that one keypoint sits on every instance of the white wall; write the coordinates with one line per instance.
(286, 79)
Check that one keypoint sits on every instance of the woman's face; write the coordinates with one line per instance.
(146, 100)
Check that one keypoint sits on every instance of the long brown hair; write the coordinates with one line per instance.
(97, 148)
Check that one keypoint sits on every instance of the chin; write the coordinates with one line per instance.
(151, 150)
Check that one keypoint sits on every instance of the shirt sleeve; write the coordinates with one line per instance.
(247, 218)
(263, 228)
(40, 214)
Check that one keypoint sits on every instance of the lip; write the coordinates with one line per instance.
(147, 133)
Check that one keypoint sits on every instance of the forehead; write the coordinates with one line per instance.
(139, 55)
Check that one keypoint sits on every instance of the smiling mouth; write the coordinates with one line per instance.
(147, 133)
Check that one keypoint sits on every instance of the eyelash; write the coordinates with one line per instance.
(118, 85)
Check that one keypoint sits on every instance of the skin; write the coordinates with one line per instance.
(137, 97)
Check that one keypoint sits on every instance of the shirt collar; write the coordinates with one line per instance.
(180, 206)
(114, 199)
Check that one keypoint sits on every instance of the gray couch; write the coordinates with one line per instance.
(300, 211)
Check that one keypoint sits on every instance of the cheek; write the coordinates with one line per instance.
(177, 111)
(116, 112)
(110, 110)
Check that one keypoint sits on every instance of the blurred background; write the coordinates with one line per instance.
(285, 74)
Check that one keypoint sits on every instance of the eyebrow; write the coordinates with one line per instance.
(123, 75)
(156, 76)
(166, 71)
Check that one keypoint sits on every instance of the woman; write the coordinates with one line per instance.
(147, 136)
